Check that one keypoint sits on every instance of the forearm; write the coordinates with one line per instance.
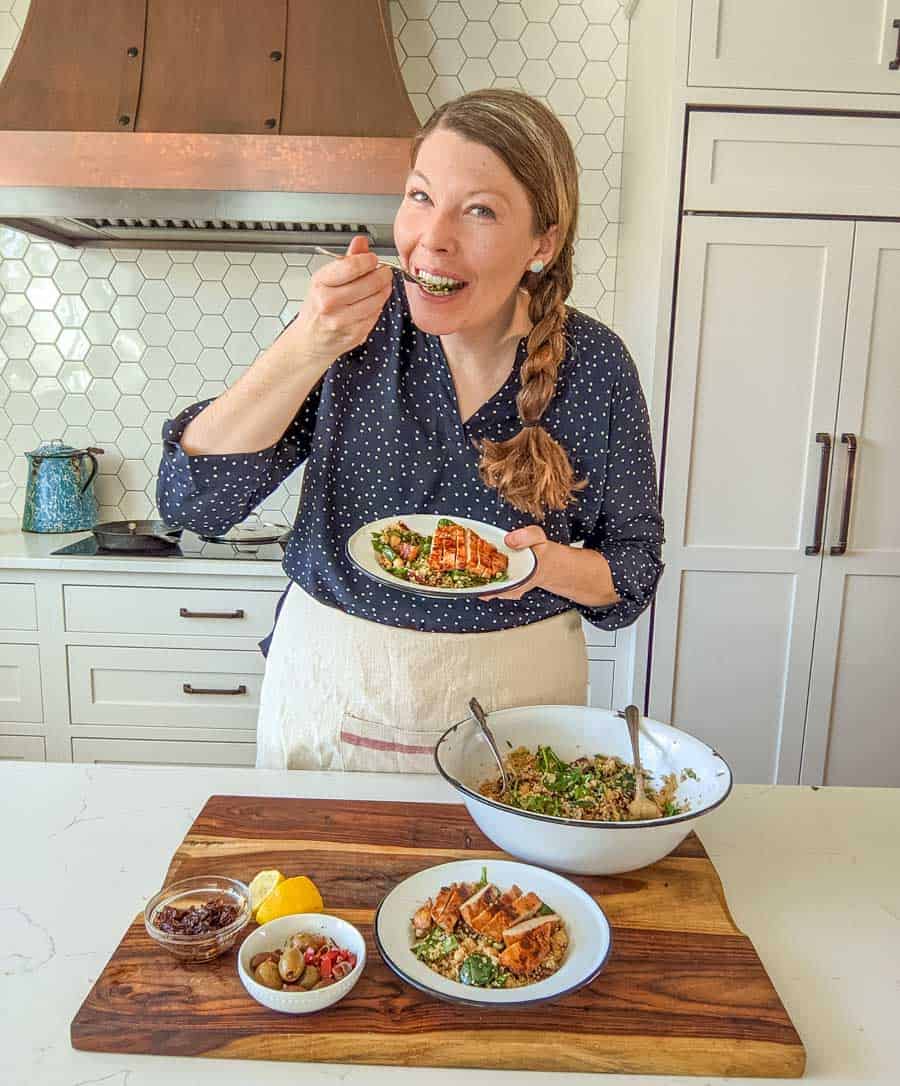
(578, 574)
(255, 412)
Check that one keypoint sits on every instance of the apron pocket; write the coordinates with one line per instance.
(369, 747)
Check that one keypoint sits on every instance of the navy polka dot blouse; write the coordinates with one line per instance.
(381, 435)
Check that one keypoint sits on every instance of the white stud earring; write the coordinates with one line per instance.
(537, 266)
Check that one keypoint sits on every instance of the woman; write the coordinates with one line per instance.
(493, 401)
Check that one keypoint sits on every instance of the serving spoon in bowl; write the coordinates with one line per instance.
(478, 713)
(641, 807)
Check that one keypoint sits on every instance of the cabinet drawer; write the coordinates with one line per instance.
(601, 674)
(184, 612)
(792, 163)
(162, 752)
(20, 684)
(22, 748)
(18, 607)
(147, 687)
(816, 45)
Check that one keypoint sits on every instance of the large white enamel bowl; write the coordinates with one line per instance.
(464, 759)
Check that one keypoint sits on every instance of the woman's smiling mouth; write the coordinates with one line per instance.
(435, 284)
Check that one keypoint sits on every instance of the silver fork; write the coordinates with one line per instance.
(381, 264)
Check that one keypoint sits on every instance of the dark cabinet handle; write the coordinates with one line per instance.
(895, 63)
(825, 441)
(850, 441)
(188, 689)
(185, 613)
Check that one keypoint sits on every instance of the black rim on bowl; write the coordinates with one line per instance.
(587, 823)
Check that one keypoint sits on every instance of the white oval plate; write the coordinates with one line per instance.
(590, 938)
(522, 563)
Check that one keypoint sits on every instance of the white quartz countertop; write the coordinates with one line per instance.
(811, 876)
(33, 550)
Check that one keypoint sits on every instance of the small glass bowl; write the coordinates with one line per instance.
(197, 891)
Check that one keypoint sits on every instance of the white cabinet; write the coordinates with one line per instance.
(757, 162)
(20, 684)
(22, 748)
(758, 287)
(852, 735)
(143, 665)
(162, 752)
(175, 688)
(18, 610)
(773, 642)
(816, 45)
(181, 612)
(757, 360)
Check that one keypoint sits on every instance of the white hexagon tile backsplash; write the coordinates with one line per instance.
(100, 347)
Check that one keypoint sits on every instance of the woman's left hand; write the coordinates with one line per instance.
(533, 536)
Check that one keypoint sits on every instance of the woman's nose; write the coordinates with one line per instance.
(439, 235)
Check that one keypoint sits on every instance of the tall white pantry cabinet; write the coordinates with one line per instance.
(759, 289)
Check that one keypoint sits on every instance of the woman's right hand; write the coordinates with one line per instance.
(343, 304)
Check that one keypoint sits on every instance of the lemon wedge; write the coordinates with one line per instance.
(297, 895)
(261, 886)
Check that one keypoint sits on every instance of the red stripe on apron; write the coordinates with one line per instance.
(382, 744)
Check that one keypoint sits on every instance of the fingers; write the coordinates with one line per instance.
(360, 318)
(359, 243)
(346, 269)
(376, 282)
(529, 536)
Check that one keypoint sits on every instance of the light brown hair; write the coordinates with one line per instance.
(531, 471)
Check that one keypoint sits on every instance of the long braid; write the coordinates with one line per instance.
(532, 470)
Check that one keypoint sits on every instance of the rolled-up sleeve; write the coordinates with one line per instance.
(629, 528)
(210, 494)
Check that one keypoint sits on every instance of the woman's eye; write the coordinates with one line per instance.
(414, 194)
(488, 213)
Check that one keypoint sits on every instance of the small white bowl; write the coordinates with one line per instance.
(273, 935)
(565, 844)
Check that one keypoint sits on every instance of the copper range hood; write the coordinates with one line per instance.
(219, 124)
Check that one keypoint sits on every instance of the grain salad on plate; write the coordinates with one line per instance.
(454, 557)
(478, 935)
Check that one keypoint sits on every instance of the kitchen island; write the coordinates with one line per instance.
(811, 876)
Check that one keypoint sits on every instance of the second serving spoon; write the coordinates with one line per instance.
(641, 807)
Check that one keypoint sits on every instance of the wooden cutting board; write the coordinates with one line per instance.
(683, 993)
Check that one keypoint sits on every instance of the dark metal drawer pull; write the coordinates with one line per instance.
(825, 441)
(185, 613)
(850, 441)
(188, 689)
(895, 63)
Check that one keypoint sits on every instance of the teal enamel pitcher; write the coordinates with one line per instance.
(59, 495)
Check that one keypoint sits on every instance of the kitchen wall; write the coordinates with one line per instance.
(101, 346)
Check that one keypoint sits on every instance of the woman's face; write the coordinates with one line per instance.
(465, 217)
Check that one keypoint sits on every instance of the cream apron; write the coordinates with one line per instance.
(341, 692)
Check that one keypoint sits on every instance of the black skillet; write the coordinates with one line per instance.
(136, 535)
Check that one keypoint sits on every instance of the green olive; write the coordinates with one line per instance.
(267, 974)
(310, 977)
(290, 964)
